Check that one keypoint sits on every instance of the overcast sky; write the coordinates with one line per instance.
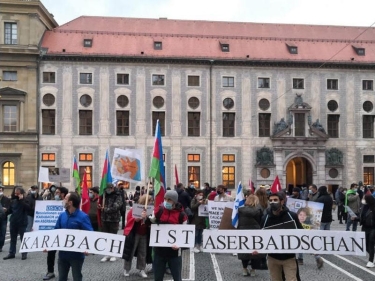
(327, 12)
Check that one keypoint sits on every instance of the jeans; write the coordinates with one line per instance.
(349, 222)
(51, 255)
(66, 264)
(30, 222)
(159, 266)
(15, 229)
(110, 227)
(3, 231)
(370, 242)
(325, 226)
(198, 236)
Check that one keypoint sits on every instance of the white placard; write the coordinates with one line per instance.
(93, 242)
(46, 214)
(55, 175)
(128, 165)
(43, 175)
(285, 241)
(216, 211)
(203, 210)
(138, 209)
(166, 235)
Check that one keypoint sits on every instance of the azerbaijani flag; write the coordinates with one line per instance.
(106, 175)
(85, 200)
(76, 175)
(157, 169)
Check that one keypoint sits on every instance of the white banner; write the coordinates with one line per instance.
(138, 209)
(128, 165)
(216, 211)
(46, 214)
(54, 174)
(285, 241)
(93, 242)
(203, 210)
(166, 235)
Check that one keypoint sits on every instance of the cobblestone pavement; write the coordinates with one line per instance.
(200, 267)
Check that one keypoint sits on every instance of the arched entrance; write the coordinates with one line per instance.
(299, 172)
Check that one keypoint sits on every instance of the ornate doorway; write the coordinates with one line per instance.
(299, 172)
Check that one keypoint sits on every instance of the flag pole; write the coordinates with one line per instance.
(148, 192)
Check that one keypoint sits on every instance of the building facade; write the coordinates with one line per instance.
(236, 101)
(22, 25)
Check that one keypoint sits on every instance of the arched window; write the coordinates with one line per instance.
(8, 174)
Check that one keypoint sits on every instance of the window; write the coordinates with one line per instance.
(8, 177)
(49, 77)
(161, 116)
(264, 124)
(194, 158)
(158, 80)
(263, 83)
(122, 79)
(333, 125)
(224, 47)
(193, 102)
(228, 81)
(228, 124)
(48, 121)
(292, 49)
(194, 175)
(193, 80)
(85, 122)
(368, 126)
(85, 78)
(87, 43)
(368, 159)
(48, 157)
(368, 175)
(10, 118)
(48, 99)
(122, 101)
(10, 33)
(10, 75)
(298, 83)
(299, 124)
(158, 102)
(194, 124)
(228, 176)
(368, 106)
(264, 104)
(85, 157)
(359, 50)
(85, 100)
(228, 103)
(122, 118)
(88, 174)
(332, 105)
(332, 84)
(158, 45)
(228, 158)
(367, 85)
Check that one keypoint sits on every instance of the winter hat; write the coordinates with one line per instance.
(171, 194)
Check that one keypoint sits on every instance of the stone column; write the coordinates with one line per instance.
(141, 103)
(104, 102)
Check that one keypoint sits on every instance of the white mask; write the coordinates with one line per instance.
(1, 193)
(364, 202)
(200, 197)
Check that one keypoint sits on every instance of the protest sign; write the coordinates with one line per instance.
(127, 165)
(351, 213)
(309, 213)
(46, 214)
(203, 210)
(166, 235)
(73, 240)
(216, 211)
(138, 209)
(286, 241)
(53, 174)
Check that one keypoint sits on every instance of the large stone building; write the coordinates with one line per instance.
(235, 100)
(22, 25)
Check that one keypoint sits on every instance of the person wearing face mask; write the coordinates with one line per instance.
(93, 213)
(171, 212)
(191, 190)
(313, 193)
(367, 221)
(221, 195)
(199, 222)
(31, 198)
(277, 214)
(5, 204)
(353, 201)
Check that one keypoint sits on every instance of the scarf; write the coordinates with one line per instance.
(350, 191)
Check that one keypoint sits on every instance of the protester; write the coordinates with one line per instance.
(49, 193)
(353, 202)
(171, 212)
(137, 240)
(72, 218)
(263, 199)
(124, 198)
(367, 222)
(183, 196)
(5, 206)
(31, 200)
(340, 200)
(221, 195)
(212, 195)
(327, 201)
(93, 213)
(191, 190)
(313, 193)
(207, 190)
(137, 194)
(60, 193)
(296, 194)
(199, 222)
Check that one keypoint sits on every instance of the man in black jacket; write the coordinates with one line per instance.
(31, 200)
(277, 214)
(5, 205)
(327, 200)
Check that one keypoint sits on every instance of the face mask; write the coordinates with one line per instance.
(310, 192)
(364, 202)
(275, 206)
(192, 186)
(219, 192)
(199, 197)
(344, 192)
(108, 191)
(32, 191)
(53, 189)
(57, 197)
(1, 193)
(168, 205)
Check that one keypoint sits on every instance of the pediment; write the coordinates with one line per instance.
(8, 91)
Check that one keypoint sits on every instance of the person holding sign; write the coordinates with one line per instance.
(171, 212)
(199, 222)
(352, 201)
(368, 226)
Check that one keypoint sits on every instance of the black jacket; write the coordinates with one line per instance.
(5, 202)
(30, 199)
(183, 198)
(199, 222)
(19, 209)
(326, 199)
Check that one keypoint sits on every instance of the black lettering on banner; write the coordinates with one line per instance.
(96, 244)
(68, 240)
(326, 243)
(282, 242)
(231, 241)
(171, 236)
(24, 243)
(272, 242)
(157, 235)
(119, 247)
(361, 247)
(84, 242)
(221, 240)
(312, 243)
(210, 242)
(342, 244)
(187, 235)
(243, 243)
(305, 241)
(56, 241)
(35, 243)
(260, 242)
(290, 242)
(45, 240)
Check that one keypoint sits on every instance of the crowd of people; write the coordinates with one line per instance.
(262, 210)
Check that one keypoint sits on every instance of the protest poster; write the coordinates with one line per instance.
(127, 165)
(46, 214)
(138, 209)
(52, 174)
(92, 242)
(203, 210)
(216, 211)
(309, 213)
(166, 235)
(286, 241)
(351, 213)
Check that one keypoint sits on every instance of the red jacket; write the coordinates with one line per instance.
(172, 216)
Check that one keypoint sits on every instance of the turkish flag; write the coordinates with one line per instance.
(85, 200)
(276, 186)
(251, 187)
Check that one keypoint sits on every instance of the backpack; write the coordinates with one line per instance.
(160, 212)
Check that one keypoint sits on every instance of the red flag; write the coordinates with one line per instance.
(276, 186)
(251, 187)
(176, 174)
(85, 200)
